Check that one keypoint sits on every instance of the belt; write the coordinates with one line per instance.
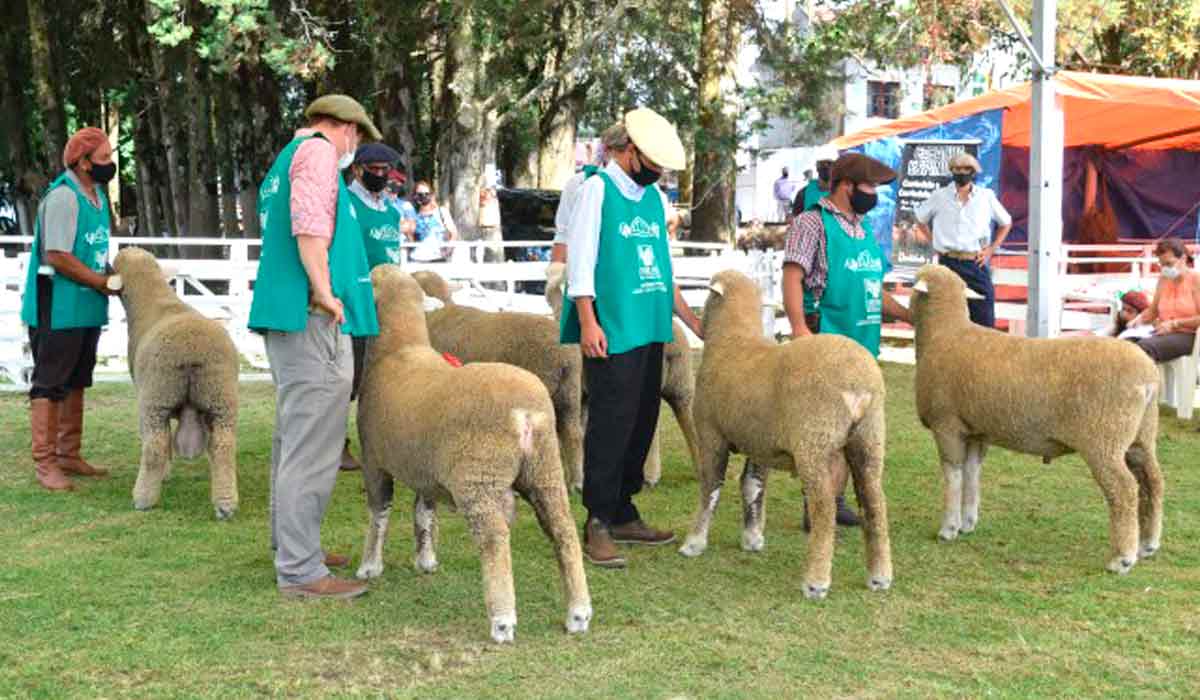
(959, 255)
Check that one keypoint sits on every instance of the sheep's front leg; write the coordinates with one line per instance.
(711, 475)
(222, 458)
(379, 487)
(970, 486)
(754, 506)
(1121, 493)
(952, 449)
(425, 528)
(156, 454)
(490, 531)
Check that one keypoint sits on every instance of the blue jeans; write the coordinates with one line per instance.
(979, 279)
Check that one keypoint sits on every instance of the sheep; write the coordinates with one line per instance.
(1048, 397)
(678, 382)
(794, 406)
(525, 340)
(185, 367)
(470, 436)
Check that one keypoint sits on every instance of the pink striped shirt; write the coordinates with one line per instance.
(314, 177)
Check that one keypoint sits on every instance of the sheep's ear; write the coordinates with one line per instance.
(115, 283)
(456, 286)
(717, 288)
(921, 287)
(432, 304)
(169, 271)
(972, 294)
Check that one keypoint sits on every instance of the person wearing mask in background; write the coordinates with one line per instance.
(489, 222)
(1175, 309)
(783, 196)
(65, 305)
(962, 214)
(833, 272)
(312, 294)
(618, 306)
(397, 197)
(807, 198)
(434, 226)
(380, 224)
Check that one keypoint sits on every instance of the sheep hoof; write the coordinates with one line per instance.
(504, 628)
(968, 526)
(879, 583)
(1147, 550)
(225, 512)
(693, 547)
(1121, 565)
(813, 591)
(369, 570)
(948, 534)
(426, 565)
(578, 618)
(143, 504)
(650, 484)
(753, 541)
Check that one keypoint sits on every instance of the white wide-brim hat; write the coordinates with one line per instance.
(656, 137)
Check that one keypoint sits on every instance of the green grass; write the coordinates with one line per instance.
(97, 600)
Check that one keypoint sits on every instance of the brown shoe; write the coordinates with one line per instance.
(328, 587)
(336, 561)
(638, 532)
(598, 546)
(70, 437)
(349, 463)
(43, 423)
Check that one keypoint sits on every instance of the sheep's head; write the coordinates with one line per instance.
(938, 287)
(401, 306)
(433, 285)
(139, 269)
(733, 301)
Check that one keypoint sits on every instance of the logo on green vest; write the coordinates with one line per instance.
(269, 188)
(865, 262)
(384, 233)
(640, 228)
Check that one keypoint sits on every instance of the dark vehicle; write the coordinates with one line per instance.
(528, 215)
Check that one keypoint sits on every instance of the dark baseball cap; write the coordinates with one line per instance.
(862, 169)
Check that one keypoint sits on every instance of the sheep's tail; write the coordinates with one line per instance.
(1147, 434)
(537, 444)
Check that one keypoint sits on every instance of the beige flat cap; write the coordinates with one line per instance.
(656, 137)
(346, 109)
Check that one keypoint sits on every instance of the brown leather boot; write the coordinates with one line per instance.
(598, 546)
(70, 437)
(349, 463)
(638, 532)
(43, 422)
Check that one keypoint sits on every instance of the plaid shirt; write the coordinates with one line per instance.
(805, 245)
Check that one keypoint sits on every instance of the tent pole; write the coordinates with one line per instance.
(1045, 181)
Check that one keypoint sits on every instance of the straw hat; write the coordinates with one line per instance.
(656, 137)
(345, 109)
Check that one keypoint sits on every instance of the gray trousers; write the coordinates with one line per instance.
(313, 370)
(1167, 347)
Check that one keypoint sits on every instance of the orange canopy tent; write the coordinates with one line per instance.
(1112, 111)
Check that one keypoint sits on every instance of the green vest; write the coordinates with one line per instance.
(852, 304)
(813, 194)
(281, 291)
(380, 231)
(635, 292)
(73, 305)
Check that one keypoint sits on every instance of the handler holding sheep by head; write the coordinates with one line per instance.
(833, 272)
(66, 304)
(312, 293)
(620, 297)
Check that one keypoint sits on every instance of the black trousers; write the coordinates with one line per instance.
(979, 279)
(63, 360)
(623, 404)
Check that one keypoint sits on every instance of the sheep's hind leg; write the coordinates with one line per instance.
(970, 485)
(864, 454)
(222, 457)
(711, 475)
(653, 466)
(1143, 462)
(822, 510)
(754, 506)
(488, 527)
(156, 453)
(425, 531)
(1120, 490)
(550, 505)
(379, 487)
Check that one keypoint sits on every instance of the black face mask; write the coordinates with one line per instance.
(644, 177)
(823, 171)
(373, 182)
(421, 198)
(962, 179)
(863, 202)
(102, 173)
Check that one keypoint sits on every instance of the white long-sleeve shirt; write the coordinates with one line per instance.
(583, 227)
(566, 206)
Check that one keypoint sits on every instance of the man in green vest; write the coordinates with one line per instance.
(618, 306)
(65, 305)
(833, 273)
(313, 292)
(807, 198)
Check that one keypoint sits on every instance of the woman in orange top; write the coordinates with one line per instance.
(1175, 310)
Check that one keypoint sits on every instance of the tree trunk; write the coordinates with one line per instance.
(111, 123)
(149, 221)
(556, 143)
(715, 171)
(176, 177)
(202, 218)
(223, 128)
(16, 130)
(468, 129)
(46, 88)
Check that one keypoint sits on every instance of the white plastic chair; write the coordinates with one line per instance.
(1178, 382)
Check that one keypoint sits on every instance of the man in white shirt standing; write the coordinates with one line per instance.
(962, 214)
(784, 191)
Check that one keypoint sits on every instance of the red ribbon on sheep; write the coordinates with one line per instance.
(452, 360)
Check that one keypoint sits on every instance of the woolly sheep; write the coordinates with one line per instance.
(678, 380)
(789, 406)
(185, 367)
(525, 340)
(1096, 396)
(470, 436)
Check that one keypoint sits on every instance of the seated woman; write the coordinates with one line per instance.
(434, 226)
(1175, 310)
(1129, 325)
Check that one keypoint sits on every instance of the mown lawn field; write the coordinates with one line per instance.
(97, 600)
